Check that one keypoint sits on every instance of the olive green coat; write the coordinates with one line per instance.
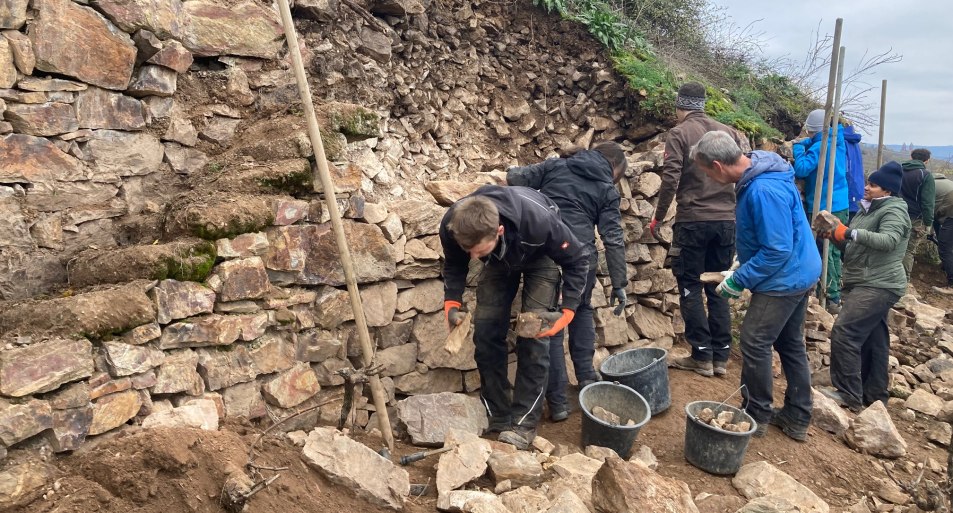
(874, 258)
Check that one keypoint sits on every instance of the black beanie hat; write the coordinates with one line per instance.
(889, 177)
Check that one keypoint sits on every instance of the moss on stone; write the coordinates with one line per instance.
(194, 266)
(354, 121)
(297, 183)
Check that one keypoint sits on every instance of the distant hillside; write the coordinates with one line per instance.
(939, 152)
(892, 152)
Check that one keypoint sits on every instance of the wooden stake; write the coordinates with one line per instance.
(327, 184)
(829, 203)
(828, 114)
(883, 114)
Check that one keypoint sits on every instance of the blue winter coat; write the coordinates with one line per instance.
(807, 153)
(856, 178)
(774, 241)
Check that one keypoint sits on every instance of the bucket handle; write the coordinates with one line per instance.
(739, 389)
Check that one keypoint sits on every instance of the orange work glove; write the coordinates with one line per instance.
(839, 233)
(451, 310)
(559, 325)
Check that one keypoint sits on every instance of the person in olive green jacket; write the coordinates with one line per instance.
(874, 279)
(943, 228)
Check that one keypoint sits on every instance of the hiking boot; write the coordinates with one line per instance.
(720, 368)
(792, 430)
(518, 436)
(691, 364)
(761, 430)
(558, 412)
(833, 307)
(586, 382)
(836, 396)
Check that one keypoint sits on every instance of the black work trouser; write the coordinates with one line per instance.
(860, 346)
(495, 293)
(582, 346)
(698, 247)
(944, 237)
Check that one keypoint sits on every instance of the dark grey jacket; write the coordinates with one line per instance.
(531, 229)
(582, 188)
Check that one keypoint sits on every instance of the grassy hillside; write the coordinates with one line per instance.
(742, 93)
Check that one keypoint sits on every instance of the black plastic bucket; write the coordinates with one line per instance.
(713, 449)
(618, 399)
(644, 370)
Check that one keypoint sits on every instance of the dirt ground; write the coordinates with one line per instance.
(162, 470)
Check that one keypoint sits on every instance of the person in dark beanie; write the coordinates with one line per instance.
(704, 233)
(874, 279)
(919, 191)
(582, 185)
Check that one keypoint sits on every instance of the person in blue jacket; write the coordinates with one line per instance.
(856, 178)
(807, 153)
(780, 266)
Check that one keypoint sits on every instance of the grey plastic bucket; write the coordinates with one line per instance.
(644, 370)
(713, 449)
(618, 399)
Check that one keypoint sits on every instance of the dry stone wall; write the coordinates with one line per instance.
(204, 278)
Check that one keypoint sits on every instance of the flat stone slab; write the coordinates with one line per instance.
(429, 417)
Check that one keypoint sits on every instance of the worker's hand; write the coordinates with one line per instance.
(653, 228)
(451, 310)
(618, 294)
(728, 289)
(559, 325)
(840, 233)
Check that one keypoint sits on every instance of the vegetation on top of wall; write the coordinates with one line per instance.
(751, 97)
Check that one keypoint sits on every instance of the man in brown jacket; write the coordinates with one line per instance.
(704, 238)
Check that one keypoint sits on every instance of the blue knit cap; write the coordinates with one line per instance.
(889, 177)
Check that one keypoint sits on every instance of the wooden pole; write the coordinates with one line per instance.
(829, 203)
(883, 114)
(828, 112)
(327, 185)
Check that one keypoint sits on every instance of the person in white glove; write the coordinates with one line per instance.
(779, 264)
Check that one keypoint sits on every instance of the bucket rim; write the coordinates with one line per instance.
(588, 414)
(604, 372)
(692, 418)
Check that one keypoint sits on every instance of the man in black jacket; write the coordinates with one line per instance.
(582, 185)
(516, 232)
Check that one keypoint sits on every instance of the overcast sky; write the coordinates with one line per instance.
(919, 88)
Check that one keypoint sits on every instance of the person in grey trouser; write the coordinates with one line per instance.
(780, 265)
(943, 228)
(874, 279)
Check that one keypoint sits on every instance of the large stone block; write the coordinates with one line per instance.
(70, 428)
(247, 29)
(272, 352)
(244, 400)
(202, 331)
(429, 417)
(651, 323)
(43, 119)
(22, 484)
(379, 302)
(874, 433)
(762, 479)
(431, 382)
(44, 366)
(126, 359)
(154, 81)
(172, 55)
(180, 299)
(621, 487)
(13, 13)
(219, 216)
(114, 410)
(308, 254)
(357, 467)
(430, 333)
(400, 360)
(197, 413)
(317, 345)
(77, 41)
(222, 369)
(115, 153)
(242, 279)
(419, 217)
(103, 109)
(21, 421)
(8, 70)
(292, 387)
(425, 297)
(28, 159)
(178, 374)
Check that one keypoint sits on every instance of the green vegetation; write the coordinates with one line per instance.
(742, 93)
(194, 266)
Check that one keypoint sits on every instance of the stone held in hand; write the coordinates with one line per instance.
(825, 222)
(529, 324)
(713, 277)
(458, 334)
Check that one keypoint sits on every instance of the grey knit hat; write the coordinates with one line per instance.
(815, 120)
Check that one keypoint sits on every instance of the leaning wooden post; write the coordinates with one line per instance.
(883, 114)
(829, 203)
(327, 185)
(828, 112)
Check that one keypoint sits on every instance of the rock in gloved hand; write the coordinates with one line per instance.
(528, 324)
